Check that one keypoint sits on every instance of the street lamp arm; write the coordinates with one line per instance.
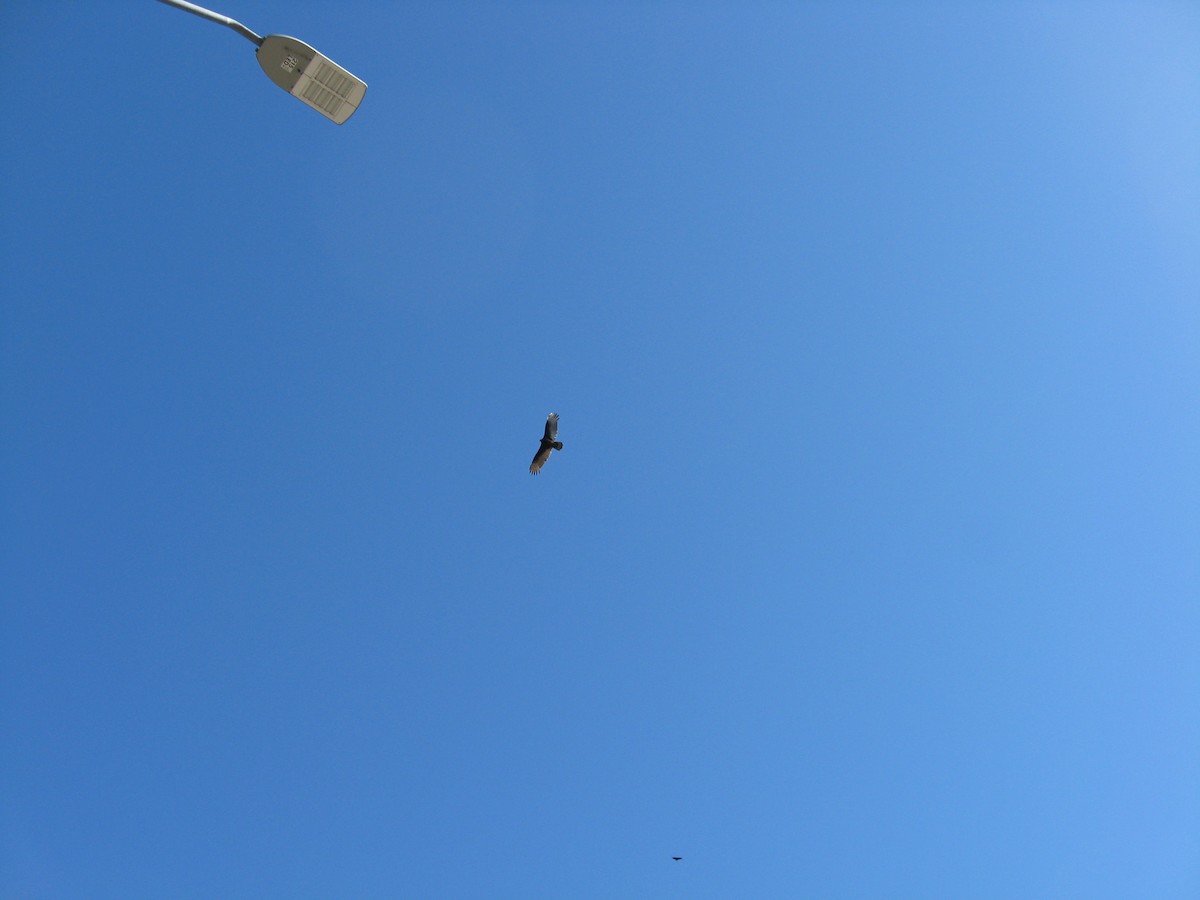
(215, 17)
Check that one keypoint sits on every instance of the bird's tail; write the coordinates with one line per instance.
(557, 445)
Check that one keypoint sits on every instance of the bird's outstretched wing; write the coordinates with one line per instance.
(540, 457)
(548, 443)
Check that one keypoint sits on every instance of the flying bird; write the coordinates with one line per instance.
(548, 443)
(677, 858)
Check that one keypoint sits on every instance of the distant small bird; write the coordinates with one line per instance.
(548, 443)
(677, 858)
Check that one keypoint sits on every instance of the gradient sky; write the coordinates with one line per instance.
(871, 565)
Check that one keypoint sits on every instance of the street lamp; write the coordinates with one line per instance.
(300, 70)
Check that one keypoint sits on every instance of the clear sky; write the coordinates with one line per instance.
(871, 565)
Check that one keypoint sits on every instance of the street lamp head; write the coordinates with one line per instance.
(310, 77)
(300, 70)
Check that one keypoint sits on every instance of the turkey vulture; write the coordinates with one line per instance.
(548, 443)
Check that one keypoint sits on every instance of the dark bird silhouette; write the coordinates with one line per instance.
(677, 858)
(548, 443)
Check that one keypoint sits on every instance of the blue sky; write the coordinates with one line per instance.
(871, 565)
